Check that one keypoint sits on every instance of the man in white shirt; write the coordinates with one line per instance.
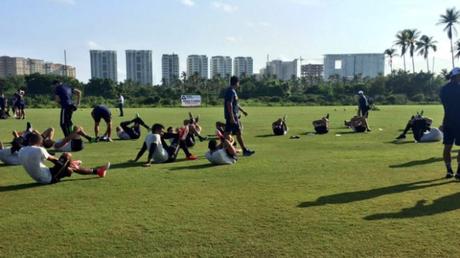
(33, 156)
(8, 156)
(225, 154)
(121, 103)
(158, 150)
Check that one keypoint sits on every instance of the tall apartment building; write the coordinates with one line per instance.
(12, 66)
(139, 66)
(221, 66)
(312, 70)
(197, 64)
(169, 68)
(104, 64)
(61, 70)
(243, 66)
(283, 70)
(350, 65)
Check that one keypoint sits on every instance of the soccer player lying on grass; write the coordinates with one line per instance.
(102, 112)
(71, 143)
(33, 156)
(222, 154)
(322, 126)
(159, 151)
(9, 155)
(22, 138)
(358, 124)
(279, 127)
(126, 131)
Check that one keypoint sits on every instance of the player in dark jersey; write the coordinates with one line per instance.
(102, 112)
(63, 96)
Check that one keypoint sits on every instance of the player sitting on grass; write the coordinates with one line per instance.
(33, 156)
(159, 151)
(358, 124)
(102, 112)
(22, 138)
(126, 131)
(279, 127)
(322, 126)
(194, 129)
(222, 154)
(71, 143)
(418, 124)
(9, 155)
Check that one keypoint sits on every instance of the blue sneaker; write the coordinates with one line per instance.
(248, 152)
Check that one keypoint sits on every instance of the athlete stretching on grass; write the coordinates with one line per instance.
(131, 130)
(231, 111)
(33, 156)
(279, 127)
(450, 96)
(321, 126)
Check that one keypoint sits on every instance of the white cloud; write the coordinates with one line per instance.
(93, 45)
(189, 3)
(231, 39)
(66, 2)
(228, 8)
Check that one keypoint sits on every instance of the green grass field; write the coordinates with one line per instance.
(354, 195)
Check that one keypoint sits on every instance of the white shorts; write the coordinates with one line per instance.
(8, 158)
(220, 157)
(65, 148)
(123, 135)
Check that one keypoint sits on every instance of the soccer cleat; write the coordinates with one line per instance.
(102, 171)
(248, 152)
(192, 157)
(449, 174)
(457, 176)
(402, 136)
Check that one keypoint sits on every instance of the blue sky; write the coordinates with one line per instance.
(284, 29)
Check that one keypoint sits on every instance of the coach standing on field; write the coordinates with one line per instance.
(63, 96)
(231, 111)
(450, 98)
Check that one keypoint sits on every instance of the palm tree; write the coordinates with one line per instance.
(457, 55)
(412, 37)
(401, 41)
(450, 19)
(423, 47)
(390, 52)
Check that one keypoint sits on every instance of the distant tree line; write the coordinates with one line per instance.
(400, 87)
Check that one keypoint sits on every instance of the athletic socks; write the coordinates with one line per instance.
(449, 167)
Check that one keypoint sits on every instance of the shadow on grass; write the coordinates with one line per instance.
(349, 197)
(441, 205)
(267, 136)
(417, 163)
(131, 164)
(193, 167)
(11, 188)
(399, 142)
(348, 132)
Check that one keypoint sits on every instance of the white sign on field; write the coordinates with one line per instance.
(191, 100)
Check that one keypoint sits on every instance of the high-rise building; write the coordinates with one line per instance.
(104, 64)
(351, 65)
(197, 64)
(61, 70)
(243, 66)
(283, 70)
(169, 68)
(12, 66)
(36, 66)
(221, 66)
(139, 66)
(312, 70)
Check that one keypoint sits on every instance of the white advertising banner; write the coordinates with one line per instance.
(191, 100)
